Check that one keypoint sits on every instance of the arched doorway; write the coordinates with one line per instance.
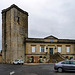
(40, 59)
(32, 59)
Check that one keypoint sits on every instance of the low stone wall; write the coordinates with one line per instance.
(0, 59)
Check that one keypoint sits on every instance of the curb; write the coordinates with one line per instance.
(36, 63)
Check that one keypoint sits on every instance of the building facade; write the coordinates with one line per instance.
(17, 45)
(36, 48)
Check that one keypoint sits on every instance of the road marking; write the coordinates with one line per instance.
(11, 73)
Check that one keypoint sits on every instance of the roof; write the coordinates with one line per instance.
(42, 40)
(64, 41)
(34, 40)
(15, 6)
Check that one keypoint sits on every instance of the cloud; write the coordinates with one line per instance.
(46, 17)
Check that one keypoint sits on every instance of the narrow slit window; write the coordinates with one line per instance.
(18, 19)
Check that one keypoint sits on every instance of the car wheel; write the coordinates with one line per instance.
(60, 69)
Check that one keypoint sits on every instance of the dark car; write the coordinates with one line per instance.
(68, 65)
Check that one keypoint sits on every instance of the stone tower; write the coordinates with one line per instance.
(14, 33)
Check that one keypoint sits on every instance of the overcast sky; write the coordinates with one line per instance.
(46, 17)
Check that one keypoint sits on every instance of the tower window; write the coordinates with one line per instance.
(18, 19)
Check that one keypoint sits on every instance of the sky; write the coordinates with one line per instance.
(46, 17)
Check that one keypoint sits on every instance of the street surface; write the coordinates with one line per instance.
(42, 69)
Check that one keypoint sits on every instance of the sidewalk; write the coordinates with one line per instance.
(36, 63)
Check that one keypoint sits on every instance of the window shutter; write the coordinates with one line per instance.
(40, 49)
(45, 49)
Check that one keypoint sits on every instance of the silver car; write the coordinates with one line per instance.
(68, 65)
(18, 61)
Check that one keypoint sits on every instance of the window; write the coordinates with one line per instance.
(33, 49)
(68, 49)
(65, 62)
(51, 40)
(42, 49)
(71, 62)
(74, 62)
(18, 19)
(59, 49)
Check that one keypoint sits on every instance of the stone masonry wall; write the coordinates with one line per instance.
(14, 32)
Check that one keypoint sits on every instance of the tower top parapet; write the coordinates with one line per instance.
(14, 6)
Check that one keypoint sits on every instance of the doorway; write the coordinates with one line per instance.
(51, 51)
(32, 59)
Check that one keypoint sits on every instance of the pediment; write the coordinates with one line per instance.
(50, 37)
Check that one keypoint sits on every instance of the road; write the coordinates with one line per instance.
(42, 69)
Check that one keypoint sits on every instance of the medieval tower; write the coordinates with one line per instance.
(14, 33)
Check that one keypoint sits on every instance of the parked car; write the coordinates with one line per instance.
(18, 61)
(68, 65)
